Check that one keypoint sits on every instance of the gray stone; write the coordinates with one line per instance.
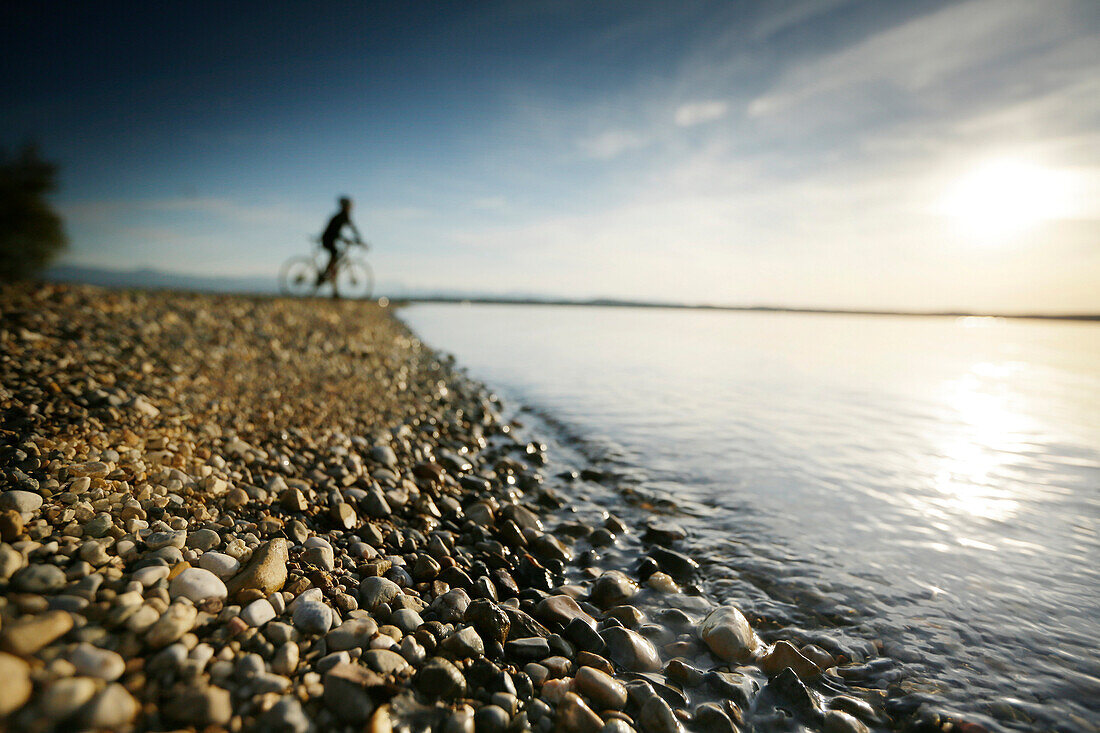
(286, 658)
(442, 679)
(157, 540)
(24, 502)
(312, 617)
(465, 644)
(384, 454)
(384, 661)
(375, 591)
(320, 557)
(375, 504)
(150, 575)
(258, 613)
(354, 633)
(285, 716)
(345, 692)
(40, 579)
(406, 619)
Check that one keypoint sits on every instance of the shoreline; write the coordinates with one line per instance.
(256, 513)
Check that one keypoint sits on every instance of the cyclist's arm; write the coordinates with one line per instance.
(358, 237)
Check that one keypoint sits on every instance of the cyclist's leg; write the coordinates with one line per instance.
(330, 269)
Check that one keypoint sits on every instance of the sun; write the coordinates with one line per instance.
(1004, 197)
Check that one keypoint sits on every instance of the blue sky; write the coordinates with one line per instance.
(829, 153)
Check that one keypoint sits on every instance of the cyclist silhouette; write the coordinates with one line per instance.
(331, 236)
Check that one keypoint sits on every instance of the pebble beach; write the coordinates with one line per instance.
(246, 513)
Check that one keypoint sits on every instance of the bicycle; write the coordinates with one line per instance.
(304, 275)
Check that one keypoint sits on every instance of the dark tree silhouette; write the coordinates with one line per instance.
(31, 233)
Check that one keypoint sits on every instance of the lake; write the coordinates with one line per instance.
(928, 484)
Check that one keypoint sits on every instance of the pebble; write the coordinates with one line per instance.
(176, 621)
(222, 565)
(63, 697)
(265, 572)
(375, 591)
(16, 689)
(286, 658)
(355, 633)
(114, 707)
(24, 502)
(39, 579)
(728, 635)
(31, 633)
(631, 650)
(657, 717)
(601, 688)
(345, 692)
(200, 706)
(91, 661)
(149, 576)
(203, 540)
(258, 613)
(197, 585)
(384, 661)
(312, 617)
(441, 678)
(285, 716)
(575, 716)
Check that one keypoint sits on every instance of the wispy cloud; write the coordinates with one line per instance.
(696, 113)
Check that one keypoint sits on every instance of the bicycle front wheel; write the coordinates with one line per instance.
(298, 276)
(355, 280)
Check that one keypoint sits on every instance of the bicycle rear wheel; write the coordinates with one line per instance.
(355, 280)
(298, 276)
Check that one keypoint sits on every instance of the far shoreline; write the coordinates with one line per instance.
(608, 303)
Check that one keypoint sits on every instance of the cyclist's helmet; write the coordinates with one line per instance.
(345, 202)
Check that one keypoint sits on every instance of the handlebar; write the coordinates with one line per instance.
(344, 240)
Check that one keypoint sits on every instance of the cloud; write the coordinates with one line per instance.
(612, 143)
(954, 58)
(696, 113)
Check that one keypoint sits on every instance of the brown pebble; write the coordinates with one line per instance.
(11, 525)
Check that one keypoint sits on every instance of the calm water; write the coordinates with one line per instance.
(931, 483)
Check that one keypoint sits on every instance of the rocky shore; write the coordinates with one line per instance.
(230, 513)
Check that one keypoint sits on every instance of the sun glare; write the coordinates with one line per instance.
(1005, 197)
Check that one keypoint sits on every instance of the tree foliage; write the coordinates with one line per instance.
(31, 233)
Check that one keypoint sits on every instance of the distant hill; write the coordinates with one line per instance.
(160, 280)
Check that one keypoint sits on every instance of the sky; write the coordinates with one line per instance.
(834, 153)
